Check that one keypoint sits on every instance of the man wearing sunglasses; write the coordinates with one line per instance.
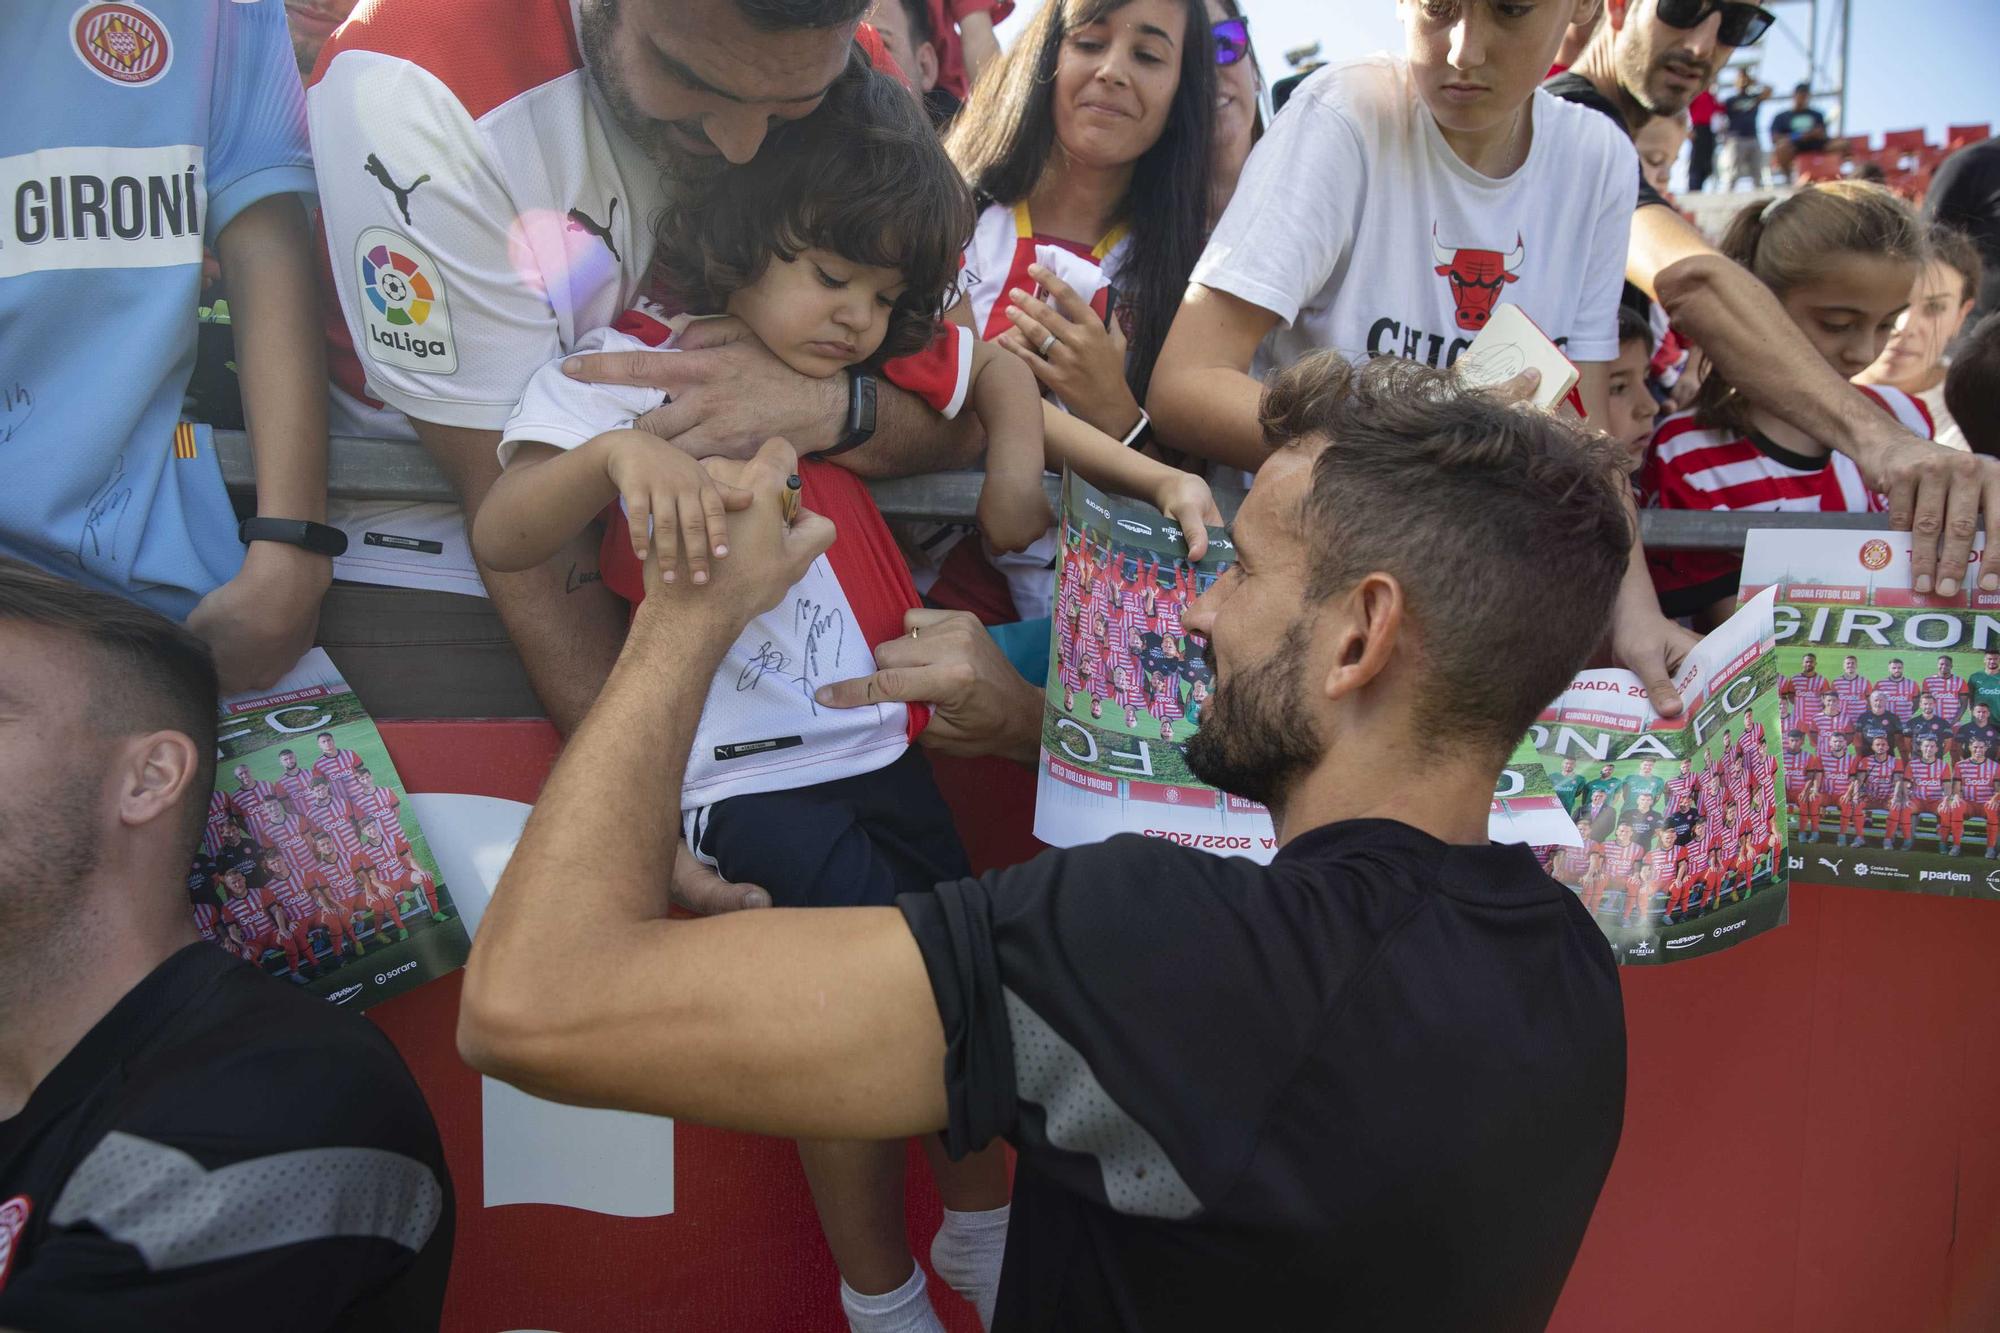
(1651, 59)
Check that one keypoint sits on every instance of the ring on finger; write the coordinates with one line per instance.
(1048, 341)
(914, 629)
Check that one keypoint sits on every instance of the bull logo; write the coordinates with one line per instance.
(1476, 277)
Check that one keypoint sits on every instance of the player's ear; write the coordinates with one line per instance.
(1360, 627)
(155, 773)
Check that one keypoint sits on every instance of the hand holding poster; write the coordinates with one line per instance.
(1678, 849)
(312, 866)
(1890, 700)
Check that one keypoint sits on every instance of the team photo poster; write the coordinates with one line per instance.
(1890, 705)
(312, 866)
(1677, 847)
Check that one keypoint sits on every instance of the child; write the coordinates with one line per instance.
(836, 247)
(1914, 361)
(1972, 388)
(1631, 407)
(1840, 258)
(1659, 142)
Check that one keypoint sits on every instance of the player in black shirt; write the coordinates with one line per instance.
(1925, 724)
(1376, 1084)
(185, 1143)
(1977, 727)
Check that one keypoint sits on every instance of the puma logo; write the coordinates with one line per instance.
(583, 222)
(375, 168)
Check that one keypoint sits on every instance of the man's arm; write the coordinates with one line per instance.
(800, 1023)
(261, 621)
(1935, 492)
(1203, 401)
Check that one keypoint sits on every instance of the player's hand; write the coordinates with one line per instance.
(261, 622)
(1085, 366)
(1649, 645)
(1186, 499)
(1937, 495)
(700, 890)
(672, 505)
(726, 396)
(979, 703)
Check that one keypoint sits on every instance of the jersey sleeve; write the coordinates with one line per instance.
(1058, 1044)
(257, 115)
(558, 410)
(941, 373)
(1601, 274)
(1291, 220)
(447, 325)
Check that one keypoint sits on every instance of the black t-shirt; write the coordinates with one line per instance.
(221, 1152)
(1965, 193)
(1868, 726)
(1792, 123)
(1741, 108)
(1575, 88)
(1969, 732)
(1921, 729)
(1376, 1084)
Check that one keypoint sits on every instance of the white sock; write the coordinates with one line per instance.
(967, 1254)
(905, 1310)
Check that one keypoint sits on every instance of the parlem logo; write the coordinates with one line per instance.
(1875, 554)
(406, 317)
(122, 43)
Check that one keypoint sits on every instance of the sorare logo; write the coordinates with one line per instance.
(396, 286)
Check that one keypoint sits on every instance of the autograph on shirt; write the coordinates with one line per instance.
(16, 406)
(104, 516)
(825, 638)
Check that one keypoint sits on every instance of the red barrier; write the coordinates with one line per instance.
(1807, 1138)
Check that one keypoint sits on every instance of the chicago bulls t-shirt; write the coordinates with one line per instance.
(1358, 226)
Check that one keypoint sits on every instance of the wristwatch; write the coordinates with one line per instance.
(860, 415)
(315, 537)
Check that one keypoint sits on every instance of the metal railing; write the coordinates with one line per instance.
(366, 469)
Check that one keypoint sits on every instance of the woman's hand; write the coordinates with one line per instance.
(1085, 365)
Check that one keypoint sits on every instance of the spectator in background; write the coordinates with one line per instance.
(1702, 114)
(912, 42)
(1659, 142)
(1239, 102)
(1742, 145)
(1799, 128)
(1972, 387)
(311, 23)
(185, 1143)
(967, 46)
(1630, 405)
(155, 138)
(1577, 40)
(1965, 195)
(1914, 361)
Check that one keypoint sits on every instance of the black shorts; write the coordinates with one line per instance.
(853, 842)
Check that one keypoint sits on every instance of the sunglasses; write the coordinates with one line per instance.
(1742, 24)
(1232, 40)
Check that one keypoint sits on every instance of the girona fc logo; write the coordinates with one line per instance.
(1875, 554)
(122, 42)
(13, 1221)
(1476, 277)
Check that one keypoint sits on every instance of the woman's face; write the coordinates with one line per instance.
(1115, 82)
(1235, 105)
(1939, 304)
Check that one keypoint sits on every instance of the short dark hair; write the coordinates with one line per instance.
(1972, 387)
(921, 28)
(146, 673)
(1633, 326)
(1469, 504)
(863, 176)
(793, 15)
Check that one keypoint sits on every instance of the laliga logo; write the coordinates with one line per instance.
(400, 292)
(1476, 277)
(1875, 554)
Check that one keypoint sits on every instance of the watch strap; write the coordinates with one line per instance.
(315, 537)
(860, 425)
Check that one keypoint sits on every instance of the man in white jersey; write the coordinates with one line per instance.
(488, 201)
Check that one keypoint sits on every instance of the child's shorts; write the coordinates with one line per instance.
(853, 842)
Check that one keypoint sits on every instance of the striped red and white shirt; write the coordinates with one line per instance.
(1927, 778)
(1621, 857)
(1836, 766)
(1878, 776)
(1901, 692)
(1691, 466)
(1949, 691)
(1976, 781)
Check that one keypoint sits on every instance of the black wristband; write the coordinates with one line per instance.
(315, 537)
(860, 414)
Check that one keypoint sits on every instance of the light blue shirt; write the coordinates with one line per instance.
(131, 134)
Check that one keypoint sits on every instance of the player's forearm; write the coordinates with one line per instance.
(911, 439)
(536, 508)
(266, 254)
(1748, 337)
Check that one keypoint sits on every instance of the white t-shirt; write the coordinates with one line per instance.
(1360, 228)
(1948, 433)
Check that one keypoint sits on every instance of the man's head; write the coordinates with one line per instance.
(1474, 64)
(1645, 768)
(1930, 749)
(1569, 764)
(288, 761)
(1976, 749)
(1925, 704)
(1802, 97)
(1944, 664)
(1645, 802)
(1349, 613)
(326, 743)
(242, 773)
(1848, 665)
(1880, 745)
(1878, 702)
(107, 757)
(1895, 668)
(1606, 771)
(1982, 713)
(697, 84)
(1972, 387)
(905, 28)
(1667, 51)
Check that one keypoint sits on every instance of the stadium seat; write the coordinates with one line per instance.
(1810, 167)
(1853, 145)
(1958, 136)
(1907, 140)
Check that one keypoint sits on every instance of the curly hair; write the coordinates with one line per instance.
(863, 176)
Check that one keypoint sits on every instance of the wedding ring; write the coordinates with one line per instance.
(1048, 341)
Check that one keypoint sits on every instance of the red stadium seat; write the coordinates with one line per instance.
(1958, 136)
(1852, 145)
(1810, 167)
(1906, 140)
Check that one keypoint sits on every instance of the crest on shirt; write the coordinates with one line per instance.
(13, 1221)
(1476, 277)
(405, 318)
(122, 43)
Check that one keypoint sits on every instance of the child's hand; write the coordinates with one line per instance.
(667, 495)
(1186, 499)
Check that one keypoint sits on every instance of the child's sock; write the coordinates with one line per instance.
(967, 1254)
(907, 1309)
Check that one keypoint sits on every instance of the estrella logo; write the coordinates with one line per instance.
(396, 286)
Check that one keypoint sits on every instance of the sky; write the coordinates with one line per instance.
(1925, 63)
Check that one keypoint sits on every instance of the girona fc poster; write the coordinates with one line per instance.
(1679, 845)
(312, 865)
(1128, 685)
(1890, 703)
